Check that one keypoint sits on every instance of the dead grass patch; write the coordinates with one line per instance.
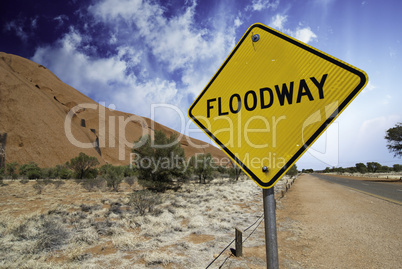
(67, 226)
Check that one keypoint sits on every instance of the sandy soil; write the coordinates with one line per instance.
(324, 225)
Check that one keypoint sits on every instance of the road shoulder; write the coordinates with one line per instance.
(325, 225)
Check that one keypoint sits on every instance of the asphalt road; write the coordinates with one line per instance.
(389, 191)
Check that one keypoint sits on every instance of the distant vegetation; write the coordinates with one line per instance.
(157, 169)
(370, 167)
(162, 167)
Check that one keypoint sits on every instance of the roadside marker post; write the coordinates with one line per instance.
(268, 103)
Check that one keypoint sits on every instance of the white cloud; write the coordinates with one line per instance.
(60, 19)
(34, 22)
(78, 69)
(258, 5)
(238, 22)
(175, 41)
(278, 21)
(17, 27)
(304, 34)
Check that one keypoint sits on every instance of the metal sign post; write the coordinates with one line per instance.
(271, 244)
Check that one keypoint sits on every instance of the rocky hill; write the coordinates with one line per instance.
(46, 121)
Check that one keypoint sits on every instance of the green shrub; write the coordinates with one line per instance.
(128, 172)
(50, 172)
(83, 166)
(114, 177)
(202, 165)
(30, 170)
(159, 161)
(292, 171)
(34, 174)
(64, 173)
(11, 168)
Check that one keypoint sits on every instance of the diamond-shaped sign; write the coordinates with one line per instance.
(271, 99)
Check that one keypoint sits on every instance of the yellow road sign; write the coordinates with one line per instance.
(271, 99)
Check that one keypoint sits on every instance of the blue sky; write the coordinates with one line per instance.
(134, 55)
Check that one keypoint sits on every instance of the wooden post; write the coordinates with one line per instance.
(239, 243)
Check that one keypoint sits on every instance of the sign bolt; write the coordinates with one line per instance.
(265, 169)
(255, 37)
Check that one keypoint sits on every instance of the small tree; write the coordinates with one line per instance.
(373, 167)
(361, 168)
(113, 175)
(202, 165)
(394, 139)
(63, 171)
(397, 167)
(83, 165)
(292, 171)
(159, 161)
(234, 171)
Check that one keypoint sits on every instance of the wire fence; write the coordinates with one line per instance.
(287, 185)
(259, 220)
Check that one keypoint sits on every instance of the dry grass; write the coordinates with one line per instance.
(69, 227)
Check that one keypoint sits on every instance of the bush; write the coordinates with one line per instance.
(128, 172)
(113, 175)
(159, 161)
(130, 180)
(83, 166)
(50, 172)
(202, 166)
(292, 171)
(144, 201)
(30, 170)
(52, 235)
(34, 174)
(11, 168)
(63, 172)
(90, 184)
